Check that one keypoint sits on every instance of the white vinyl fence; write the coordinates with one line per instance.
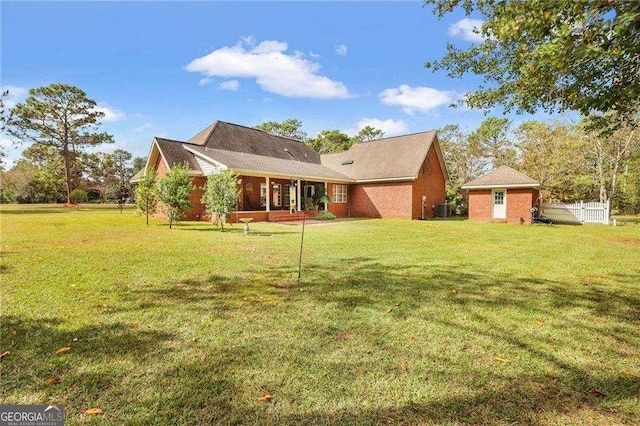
(580, 212)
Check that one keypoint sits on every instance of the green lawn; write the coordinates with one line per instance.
(410, 322)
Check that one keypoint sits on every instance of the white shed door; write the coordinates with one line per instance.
(499, 204)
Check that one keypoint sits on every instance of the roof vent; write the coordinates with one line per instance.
(347, 162)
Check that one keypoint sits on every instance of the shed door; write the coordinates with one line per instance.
(499, 204)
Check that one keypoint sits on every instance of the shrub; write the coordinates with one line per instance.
(78, 196)
(325, 215)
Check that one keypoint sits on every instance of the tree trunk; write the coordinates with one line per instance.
(67, 171)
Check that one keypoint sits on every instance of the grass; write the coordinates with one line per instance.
(400, 322)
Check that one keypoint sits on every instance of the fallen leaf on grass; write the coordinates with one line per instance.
(596, 393)
(134, 325)
(204, 358)
(95, 410)
(501, 359)
(403, 366)
(632, 374)
(389, 310)
(266, 397)
(539, 322)
(5, 353)
(53, 380)
(62, 350)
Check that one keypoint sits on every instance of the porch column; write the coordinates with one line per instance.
(268, 195)
(326, 192)
(298, 192)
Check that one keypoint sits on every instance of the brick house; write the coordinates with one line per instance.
(397, 177)
(503, 195)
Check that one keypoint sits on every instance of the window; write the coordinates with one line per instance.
(277, 195)
(498, 197)
(309, 191)
(287, 195)
(339, 193)
(263, 194)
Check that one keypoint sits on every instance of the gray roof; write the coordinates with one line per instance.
(233, 137)
(399, 157)
(247, 150)
(174, 153)
(244, 162)
(502, 177)
(138, 176)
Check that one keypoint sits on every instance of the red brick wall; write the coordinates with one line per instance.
(519, 201)
(431, 183)
(338, 209)
(387, 200)
(161, 169)
(198, 210)
(250, 200)
(480, 204)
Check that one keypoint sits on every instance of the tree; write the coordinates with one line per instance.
(610, 154)
(146, 194)
(5, 118)
(174, 191)
(122, 196)
(290, 128)
(220, 196)
(100, 173)
(121, 161)
(369, 133)
(62, 117)
(331, 141)
(558, 55)
(138, 164)
(554, 155)
(48, 184)
(465, 161)
(492, 136)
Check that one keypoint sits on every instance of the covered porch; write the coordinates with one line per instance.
(277, 199)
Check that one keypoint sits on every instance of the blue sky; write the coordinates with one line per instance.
(171, 68)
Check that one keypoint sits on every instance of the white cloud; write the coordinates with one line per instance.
(314, 55)
(232, 85)
(415, 99)
(390, 127)
(340, 49)
(205, 81)
(142, 128)
(467, 29)
(110, 114)
(273, 69)
(16, 94)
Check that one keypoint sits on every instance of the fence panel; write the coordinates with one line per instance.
(580, 212)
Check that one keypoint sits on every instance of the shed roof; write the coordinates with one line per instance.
(394, 158)
(502, 177)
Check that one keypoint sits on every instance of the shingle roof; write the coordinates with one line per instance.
(240, 161)
(502, 177)
(233, 137)
(138, 176)
(174, 153)
(390, 158)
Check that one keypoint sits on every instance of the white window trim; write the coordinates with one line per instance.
(340, 197)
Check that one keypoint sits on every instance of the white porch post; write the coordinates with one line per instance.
(298, 192)
(326, 192)
(268, 195)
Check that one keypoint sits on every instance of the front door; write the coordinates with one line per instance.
(499, 204)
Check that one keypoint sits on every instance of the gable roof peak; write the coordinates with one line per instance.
(504, 176)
